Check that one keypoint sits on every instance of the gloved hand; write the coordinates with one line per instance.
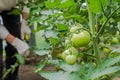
(3, 32)
(25, 30)
(21, 47)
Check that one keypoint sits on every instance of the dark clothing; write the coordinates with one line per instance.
(12, 23)
(1, 64)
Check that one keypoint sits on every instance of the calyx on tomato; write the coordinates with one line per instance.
(80, 39)
(69, 51)
(75, 27)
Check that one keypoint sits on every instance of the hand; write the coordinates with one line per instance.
(25, 30)
(3, 32)
(21, 47)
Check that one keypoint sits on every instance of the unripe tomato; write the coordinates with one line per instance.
(106, 50)
(65, 53)
(114, 40)
(67, 42)
(70, 59)
(73, 51)
(69, 51)
(80, 39)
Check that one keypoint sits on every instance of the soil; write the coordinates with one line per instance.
(26, 72)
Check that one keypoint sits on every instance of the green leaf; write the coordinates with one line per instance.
(75, 17)
(20, 59)
(55, 75)
(53, 41)
(13, 67)
(115, 49)
(6, 73)
(41, 42)
(74, 76)
(109, 62)
(41, 52)
(96, 5)
(10, 70)
(69, 68)
(15, 11)
(40, 66)
(62, 27)
(66, 3)
(60, 75)
(52, 3)
(106, 71)
(50, 33)
(105, 68)
(59, 3)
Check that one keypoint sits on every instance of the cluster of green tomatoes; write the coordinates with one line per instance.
(78, 37)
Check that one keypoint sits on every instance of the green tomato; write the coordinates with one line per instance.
(69, 51)
(67, 42)
(73, 51)
(106, 50)
(114, 40)
(81, 39)
(70, 59)
(65, 53)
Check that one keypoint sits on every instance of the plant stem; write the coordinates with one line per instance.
(6, 73)
(92, 30)
(96, 51)
(106, 21)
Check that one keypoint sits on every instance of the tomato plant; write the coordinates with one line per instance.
(84, 34)
(57, 19)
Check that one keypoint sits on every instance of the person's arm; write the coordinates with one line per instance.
(10, 38)
(21, 46)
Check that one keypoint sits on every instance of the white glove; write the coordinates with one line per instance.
(25, 30)
(21, 47)
(3, 32)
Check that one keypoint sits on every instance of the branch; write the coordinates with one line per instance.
(106, 21)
